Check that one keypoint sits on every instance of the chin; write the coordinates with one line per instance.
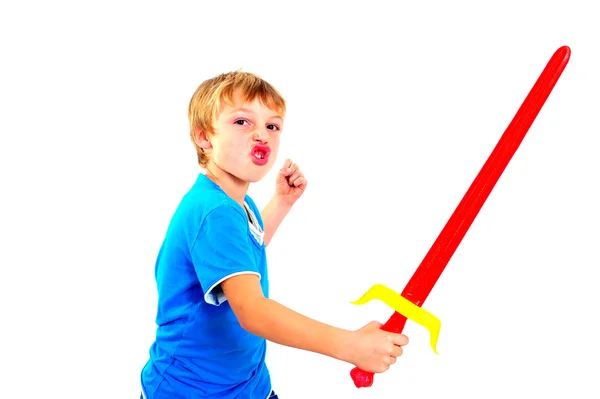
(255, 178)
(253, 174)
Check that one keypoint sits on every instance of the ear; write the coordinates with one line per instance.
(202, 140)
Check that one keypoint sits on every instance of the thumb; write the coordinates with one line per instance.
(285, 170)
(281, 176)
(374, 324)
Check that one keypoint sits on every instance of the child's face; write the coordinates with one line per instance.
(246, 139)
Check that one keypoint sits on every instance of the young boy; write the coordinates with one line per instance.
(214, 312)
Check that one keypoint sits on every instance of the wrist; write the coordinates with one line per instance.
(278, 201)
(345, 346)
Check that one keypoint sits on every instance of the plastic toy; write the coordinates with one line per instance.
(407, 304)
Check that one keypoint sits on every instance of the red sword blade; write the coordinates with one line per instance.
(438, 256)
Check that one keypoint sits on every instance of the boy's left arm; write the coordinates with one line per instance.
(289, 186)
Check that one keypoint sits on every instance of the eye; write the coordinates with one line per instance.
(241, 122)
(272, 127)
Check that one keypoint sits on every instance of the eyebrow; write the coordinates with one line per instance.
(274, 116)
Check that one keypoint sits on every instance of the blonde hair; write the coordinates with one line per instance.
(205, 104)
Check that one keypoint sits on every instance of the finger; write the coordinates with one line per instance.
(400, 339)
(390, 360)
(383, 368)
(287, 166)
(397, 351)
(285, 171)
(295, 175)
(389, 350)
(299, 182)
(292, 168)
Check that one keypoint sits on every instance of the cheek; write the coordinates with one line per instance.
(275, 144)
(228, 150)
(274, 152)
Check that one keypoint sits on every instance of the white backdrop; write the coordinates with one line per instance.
(393, 109)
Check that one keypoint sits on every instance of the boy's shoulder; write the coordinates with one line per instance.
(205, 197)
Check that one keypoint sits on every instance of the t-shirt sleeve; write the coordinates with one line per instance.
(222, 250)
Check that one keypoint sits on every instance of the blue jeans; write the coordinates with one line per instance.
(273, 396)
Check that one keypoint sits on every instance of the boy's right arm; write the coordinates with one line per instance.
(368, 348)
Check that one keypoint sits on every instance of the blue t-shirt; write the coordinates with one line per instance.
(201, 351)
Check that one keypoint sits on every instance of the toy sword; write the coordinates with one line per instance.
(408, 304)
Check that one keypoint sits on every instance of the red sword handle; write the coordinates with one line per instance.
(433, 264)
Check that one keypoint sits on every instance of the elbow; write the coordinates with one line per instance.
(245, 321)
(249, 316)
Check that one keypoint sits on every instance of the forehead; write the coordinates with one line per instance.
(241, 102)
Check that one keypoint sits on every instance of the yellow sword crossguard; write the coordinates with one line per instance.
(406, 308)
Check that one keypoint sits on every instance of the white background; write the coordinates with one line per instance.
(393, 109)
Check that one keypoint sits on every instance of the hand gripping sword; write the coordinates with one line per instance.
(438, 256)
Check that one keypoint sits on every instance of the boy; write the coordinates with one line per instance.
(214, 315)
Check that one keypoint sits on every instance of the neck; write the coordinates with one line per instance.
(231, 185)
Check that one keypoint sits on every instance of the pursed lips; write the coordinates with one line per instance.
(261, 151)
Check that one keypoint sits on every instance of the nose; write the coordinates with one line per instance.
(261, 135)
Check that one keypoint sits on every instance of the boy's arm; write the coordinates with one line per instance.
(274, 322)
(370, 348)
(272, 216)
(289, 186)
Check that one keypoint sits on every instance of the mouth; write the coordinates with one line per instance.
(260, 154)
